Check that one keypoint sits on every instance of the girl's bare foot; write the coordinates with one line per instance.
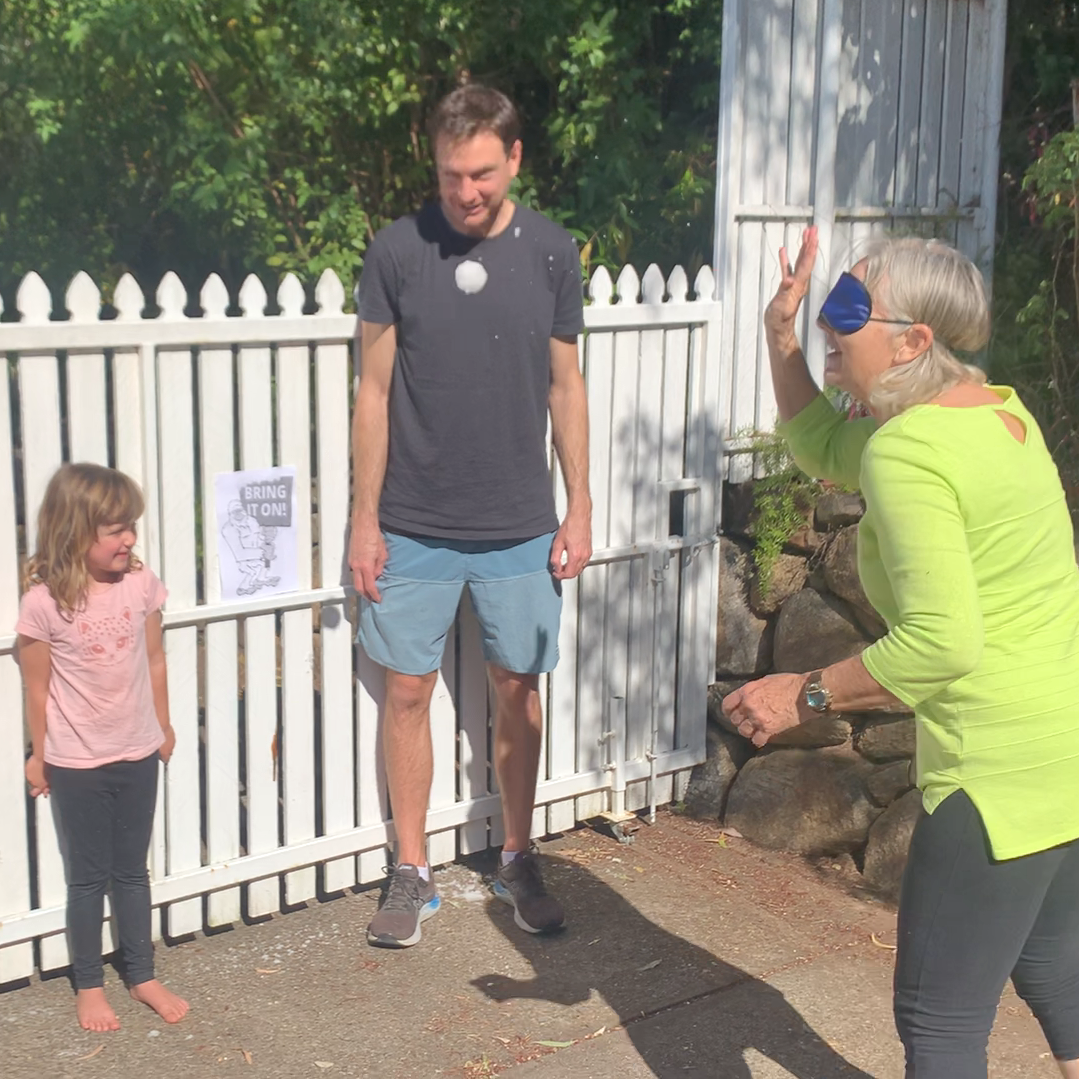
(94, 1011)
(167, 1004)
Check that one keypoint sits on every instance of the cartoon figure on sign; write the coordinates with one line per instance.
(269, 544)
(252, 547)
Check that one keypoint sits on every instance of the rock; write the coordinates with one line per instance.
(815, 578)
(839, 563)
(838, 508)
(802, 800)
(806, 540)
(738, 500)
(838, 866)
(889, 781)
(743, 641)
(885, 738)
(870, 623)
(716, 692)
(814, 630)
(787, 577)
(889, 842)
(815, 733)
(709, 782)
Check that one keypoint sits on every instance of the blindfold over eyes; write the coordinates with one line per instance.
(848, 307)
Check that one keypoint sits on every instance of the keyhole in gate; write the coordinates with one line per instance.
(676, 514)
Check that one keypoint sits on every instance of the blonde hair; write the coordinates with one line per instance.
(927, 281)
(79, 499)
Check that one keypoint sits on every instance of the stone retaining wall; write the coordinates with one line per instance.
(836, 785)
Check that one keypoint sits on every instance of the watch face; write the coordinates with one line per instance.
(816, 699)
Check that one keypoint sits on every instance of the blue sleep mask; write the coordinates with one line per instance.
(848, 307)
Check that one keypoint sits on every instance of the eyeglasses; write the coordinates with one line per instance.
(846, 309)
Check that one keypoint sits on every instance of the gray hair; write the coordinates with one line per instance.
(927, 281)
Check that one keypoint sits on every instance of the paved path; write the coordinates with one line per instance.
(688, 956)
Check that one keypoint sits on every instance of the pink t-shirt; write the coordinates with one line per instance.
(101, 705)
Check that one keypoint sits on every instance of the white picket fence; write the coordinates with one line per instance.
(274, 794)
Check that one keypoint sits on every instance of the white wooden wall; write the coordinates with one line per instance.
(275, 791)
(855, 116)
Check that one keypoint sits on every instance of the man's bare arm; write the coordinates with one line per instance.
(568, 403)
(370, 445)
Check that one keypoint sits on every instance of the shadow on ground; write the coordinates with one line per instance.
(643, 973)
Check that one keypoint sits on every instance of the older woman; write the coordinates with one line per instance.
(966, 552)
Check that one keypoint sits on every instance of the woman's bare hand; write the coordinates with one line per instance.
(782, 310)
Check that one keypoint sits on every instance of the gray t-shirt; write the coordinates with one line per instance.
(468, 398)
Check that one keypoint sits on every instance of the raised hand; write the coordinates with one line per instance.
(782, 310)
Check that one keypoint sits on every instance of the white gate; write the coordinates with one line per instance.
(854, 115)
(274, 794)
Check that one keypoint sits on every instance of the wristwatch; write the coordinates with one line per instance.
(817, 697)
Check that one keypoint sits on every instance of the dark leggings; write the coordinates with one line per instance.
(105, 817)
(965, 924)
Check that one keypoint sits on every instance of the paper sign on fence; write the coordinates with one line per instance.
(256, 527)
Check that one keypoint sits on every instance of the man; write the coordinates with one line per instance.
(470, 311)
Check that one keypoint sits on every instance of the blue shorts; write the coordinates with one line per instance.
(517, 601)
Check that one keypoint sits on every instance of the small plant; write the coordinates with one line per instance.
(783, 498)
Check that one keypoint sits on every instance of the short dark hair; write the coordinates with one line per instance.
(473, 108)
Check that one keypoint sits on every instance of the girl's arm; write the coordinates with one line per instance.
(159, 682)
(35, 662)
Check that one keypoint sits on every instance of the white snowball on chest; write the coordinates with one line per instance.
(470, 276)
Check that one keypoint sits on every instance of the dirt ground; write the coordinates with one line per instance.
(687, 954)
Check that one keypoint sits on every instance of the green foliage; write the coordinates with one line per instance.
(783, 497)
(1049, 322)
(277, 135)
(1035, 343)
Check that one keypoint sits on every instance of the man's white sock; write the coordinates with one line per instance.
(508, 856)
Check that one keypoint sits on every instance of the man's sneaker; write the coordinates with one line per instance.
(520, 884)
(410, 901)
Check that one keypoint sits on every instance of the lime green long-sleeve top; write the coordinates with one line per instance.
(966, 551)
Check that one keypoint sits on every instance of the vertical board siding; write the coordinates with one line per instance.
(178, 569)
(880, 114)
(40, 418)
(339, 751)
(296, 751)
(18, 960)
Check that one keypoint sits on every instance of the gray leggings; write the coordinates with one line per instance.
(965, 924)
(105, 817)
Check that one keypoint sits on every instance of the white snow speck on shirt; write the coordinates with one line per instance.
(470, 276)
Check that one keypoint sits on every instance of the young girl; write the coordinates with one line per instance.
(90, 651)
